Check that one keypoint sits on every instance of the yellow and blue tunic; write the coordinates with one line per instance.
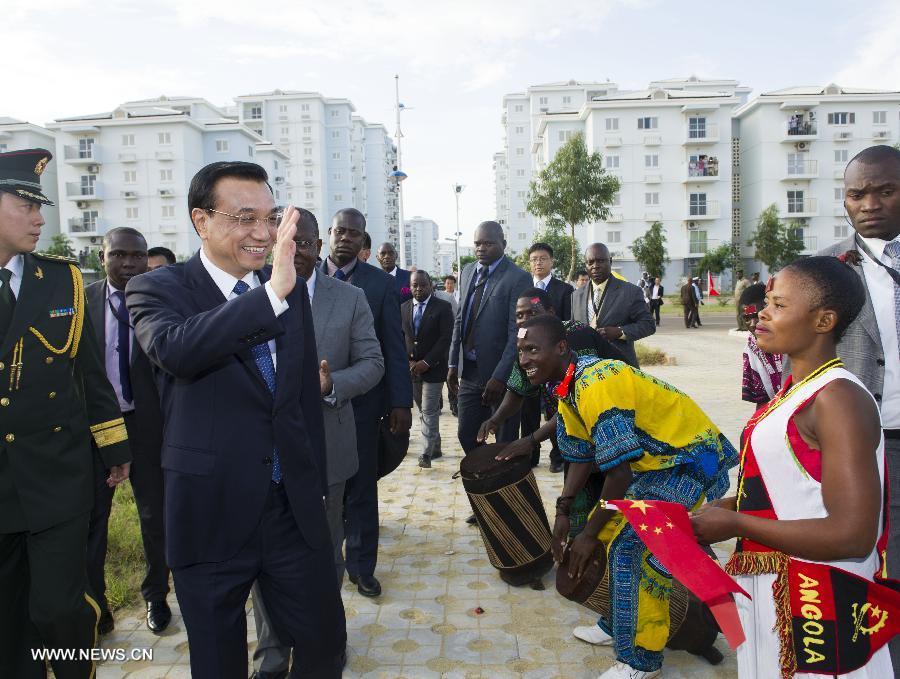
(611, 413)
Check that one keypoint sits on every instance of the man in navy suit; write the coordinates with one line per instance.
(392, 397)
(387, 258)
(234, 353)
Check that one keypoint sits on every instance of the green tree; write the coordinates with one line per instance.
(61, 246)
(573, 189)
(463, 260)
(93, 261)
(717, 260)
(649, 250)
(556, 238)
(777, 244)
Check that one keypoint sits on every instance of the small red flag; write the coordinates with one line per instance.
(710, 285)
(665, 529)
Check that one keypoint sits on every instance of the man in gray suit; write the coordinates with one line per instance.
(869, 348)
(615, 308)
(350, 364)
(484, 335)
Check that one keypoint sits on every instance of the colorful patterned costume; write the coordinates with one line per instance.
(613, 413)
(761, 373)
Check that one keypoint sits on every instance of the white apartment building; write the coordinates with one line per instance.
(671, 150)
(329, 155)
(446, 256)
(132, 167)
(795, 144)
(16, 135)
(421, 238)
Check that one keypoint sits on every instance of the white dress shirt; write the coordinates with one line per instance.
(545, 281)
(393, 272)
(881, 290)
(16, 265)
(311, 285)
(226, 282)
(655, 293)
(111, 359)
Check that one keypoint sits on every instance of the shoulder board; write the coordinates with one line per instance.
(54, 258)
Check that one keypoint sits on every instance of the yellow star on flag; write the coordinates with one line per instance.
(643, 526)
(640, 504)
(657, 530)
(669, 524)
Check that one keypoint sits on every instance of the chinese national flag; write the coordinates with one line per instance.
(710, 285)
(665, 529)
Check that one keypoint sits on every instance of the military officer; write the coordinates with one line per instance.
(55, 400)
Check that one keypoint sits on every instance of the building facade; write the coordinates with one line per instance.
(421, 239)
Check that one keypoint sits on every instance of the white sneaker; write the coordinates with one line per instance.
(622, 671)
(593, 635)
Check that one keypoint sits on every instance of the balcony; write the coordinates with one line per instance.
(800, 128)
(652, 140)
(165, 155)
(802, 208)
(707, 134)
(127, 157)
(843, 135)
(614, 218)
(83, 156)
(810, 243)
(77, 191)
(881, 135)
(652, 178)
(612, 141)
(129, 195)
(168, 227)
(96, 227)
(703, 210)
(801, 169)
(700, 245)
(653, 216)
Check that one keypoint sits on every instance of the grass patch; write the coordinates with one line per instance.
(650, 356)
(125, 552)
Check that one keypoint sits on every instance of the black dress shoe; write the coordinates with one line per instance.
(106, 624)
(367, 585)
(159, 615)
(472, 520)
(556, 467)
(436, 454)
(424, 462)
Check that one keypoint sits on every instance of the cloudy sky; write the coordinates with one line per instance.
(456, 60)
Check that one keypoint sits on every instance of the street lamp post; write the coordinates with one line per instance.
(457, 189)
(398, 175)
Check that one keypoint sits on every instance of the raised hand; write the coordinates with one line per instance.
(284, 275)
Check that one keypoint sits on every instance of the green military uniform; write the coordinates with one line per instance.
(55, 400)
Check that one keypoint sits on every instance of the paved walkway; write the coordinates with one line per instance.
(444, 611)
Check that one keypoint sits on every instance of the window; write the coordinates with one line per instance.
(336, 155)
(698, 205)
(518, 108)
(697, 127)
(612, 162)
(127, 140)
(879, 117)
(651, 198)
(130, 177)
(87, 184)
(338, 197)
(335, 134)
(308, 173)
(520, 194)
(307, 129)
(89, 219)
(221, 146)
(168, 212)
(520, 129)
(164, 138)
(521, 215)
(613, 236)
(795, 201)
(250, 151)
(841, 156)
(520, 173)
(839, 193)
(282, 108)
(612, 124)
(520, 151)
(697, 242)
(165, 175)
(285, 131)
(567, 100)
(256, 112)
(307, 151)
(617, 198)
(844, 118)
(310, 195)
(795, 163)
(841, 231)
(304, 107)
(336, 176)
(86, 147)
(132, 213)
(543, 101)
(566, 135)
(651, 160)
(335, 113)
(648, 123)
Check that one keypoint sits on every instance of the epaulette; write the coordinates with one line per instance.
(55, 258)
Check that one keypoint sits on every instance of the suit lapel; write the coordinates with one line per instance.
(322, 301)
(96, 298)
(33, 300)
(492, 285)
(867, 314)
(613, 290)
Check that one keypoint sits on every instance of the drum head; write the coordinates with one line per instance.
(480, 465)
(579, 589)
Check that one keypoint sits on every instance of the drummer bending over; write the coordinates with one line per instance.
(653, 443)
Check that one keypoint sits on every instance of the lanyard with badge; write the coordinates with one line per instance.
(892, 272)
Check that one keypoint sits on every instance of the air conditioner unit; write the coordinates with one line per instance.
(93, 239)
(81, 204)
(693, 226)
(93, 169)
(130, 194)
(802, 146)
(882, 134)
(165, 192)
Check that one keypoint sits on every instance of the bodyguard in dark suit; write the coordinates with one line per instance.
(428, 328)
(391, 398)
(869, 347)
(387, 258)
(615, 308)
(124, 256)
(55, 401)
(244, 445)
(484, 335)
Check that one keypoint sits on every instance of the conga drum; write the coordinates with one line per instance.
(511, 517)
(692, 627)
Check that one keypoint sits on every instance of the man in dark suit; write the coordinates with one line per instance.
(391, 398)
(484, 335)
(615, 308)
(689, 303)
(428, 328)
(869, 347)
(655, 293)
(55, 402)
(124, 256)
(387, 258)
(350, 364)
(233, 346)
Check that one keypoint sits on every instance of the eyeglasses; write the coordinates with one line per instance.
(246, 221)
(538, 260)
(306, 244)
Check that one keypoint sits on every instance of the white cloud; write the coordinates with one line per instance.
(876, 62)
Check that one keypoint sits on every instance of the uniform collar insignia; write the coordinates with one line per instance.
(38, 273)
